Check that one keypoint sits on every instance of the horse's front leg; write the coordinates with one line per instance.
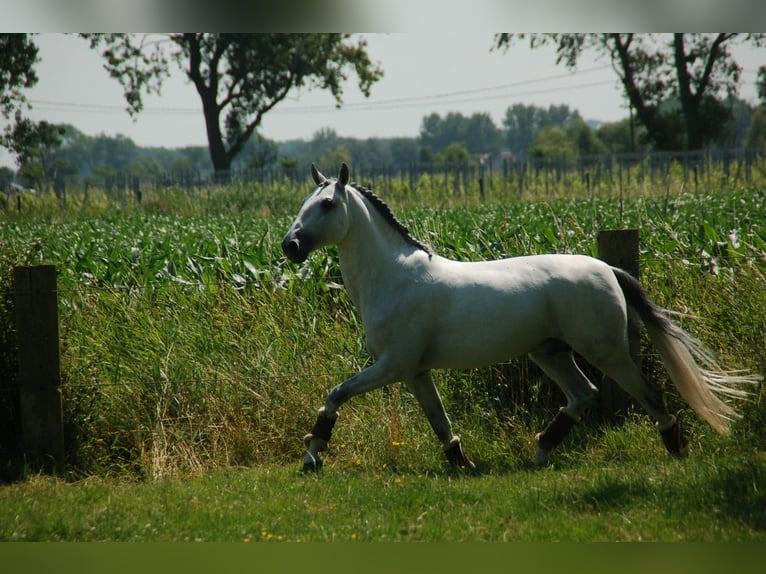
(378, 375)
(427, 395)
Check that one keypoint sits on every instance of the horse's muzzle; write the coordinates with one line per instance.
(295, 248)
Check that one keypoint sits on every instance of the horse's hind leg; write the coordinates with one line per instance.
(557, 361)
(622, 369)
(427, 395)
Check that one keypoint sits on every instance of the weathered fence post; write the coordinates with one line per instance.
(39, 377)
(619, 248)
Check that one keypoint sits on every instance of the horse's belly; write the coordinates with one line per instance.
(483, 340)
(469, 356)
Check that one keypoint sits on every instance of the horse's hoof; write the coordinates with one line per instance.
(542, 459)
(312, 464)
(674, 439)
(458, 459)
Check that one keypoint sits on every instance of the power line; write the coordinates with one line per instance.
(446, 98)
(386, 106)
(414, 101)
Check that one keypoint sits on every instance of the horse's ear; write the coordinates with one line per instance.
(343, 177)
(319, 179)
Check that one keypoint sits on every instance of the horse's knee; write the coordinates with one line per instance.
(577, 406)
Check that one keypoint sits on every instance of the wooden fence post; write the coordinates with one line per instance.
(619, 248)
(39, 377)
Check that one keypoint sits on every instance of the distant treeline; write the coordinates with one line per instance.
(527, 132)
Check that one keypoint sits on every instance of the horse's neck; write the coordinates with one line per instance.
(370, 255)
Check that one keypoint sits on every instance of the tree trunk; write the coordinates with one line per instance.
(209, 95)
(689, 101)
(646, 114)
(218, 153)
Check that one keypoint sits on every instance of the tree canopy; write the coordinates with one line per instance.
(695, 70)
(476, 132)
(239, 77)
(18, 54)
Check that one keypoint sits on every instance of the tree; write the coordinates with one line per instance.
(454, 154)
(259, 152)
(477, 132)
(18, 55)
(239, 77)
(756, 135)
(36, 145)
(618, 137)
(698, 70)
(6, 178)
(523, 123)
(584, 138)
(552, 141)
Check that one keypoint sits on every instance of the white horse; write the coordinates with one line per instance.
(421, 312)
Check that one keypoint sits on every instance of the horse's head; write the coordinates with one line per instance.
(323, 217)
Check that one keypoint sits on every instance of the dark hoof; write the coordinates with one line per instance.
(542, 458)
(675, 441)
(458, 459)
(312, 464)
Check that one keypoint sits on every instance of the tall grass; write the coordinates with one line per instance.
(188, 342)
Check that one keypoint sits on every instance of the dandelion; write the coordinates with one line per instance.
(397, 443)
(354, 536)
(248, 538)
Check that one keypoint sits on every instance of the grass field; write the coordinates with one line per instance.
(194, 358)
(607, 492)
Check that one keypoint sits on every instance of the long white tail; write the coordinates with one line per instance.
(692, 366)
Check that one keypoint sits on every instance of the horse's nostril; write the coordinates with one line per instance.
(292, 250)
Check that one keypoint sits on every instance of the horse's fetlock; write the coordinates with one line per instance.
(323, 426)
(556, 431)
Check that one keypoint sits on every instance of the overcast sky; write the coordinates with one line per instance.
(423, 73)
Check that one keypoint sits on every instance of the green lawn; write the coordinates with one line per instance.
(631, 494)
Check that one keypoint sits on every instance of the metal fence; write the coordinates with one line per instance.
(592, 172)
(651, 166)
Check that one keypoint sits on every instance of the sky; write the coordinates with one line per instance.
(424, 73)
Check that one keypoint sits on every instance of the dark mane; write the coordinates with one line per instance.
(390, 218)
